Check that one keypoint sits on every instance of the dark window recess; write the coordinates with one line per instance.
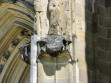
(109, 33)
(107, 3)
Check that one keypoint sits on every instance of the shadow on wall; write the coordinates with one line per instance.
(98, 40)
(91, 30)
(53, 64)
(91, 40)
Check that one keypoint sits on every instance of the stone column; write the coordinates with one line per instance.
(42, 17)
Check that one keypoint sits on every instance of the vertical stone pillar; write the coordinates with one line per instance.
(33, 70)
(42, 17)
(78, 29)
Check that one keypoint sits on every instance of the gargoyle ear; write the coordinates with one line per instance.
(69, 42)
(66, 42)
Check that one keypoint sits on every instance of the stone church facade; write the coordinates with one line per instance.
(89, 20)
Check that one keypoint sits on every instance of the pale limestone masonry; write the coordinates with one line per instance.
(68, 18)
(89, 20)
(70, 22)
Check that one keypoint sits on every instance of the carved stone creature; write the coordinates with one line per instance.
(25, 52)
(53, 44)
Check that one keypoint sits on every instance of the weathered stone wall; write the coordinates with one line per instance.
(16, 25)
(89, 20)
(70, 18)
(98, 42)
(79, 29)
(54, 16)
(103, 39)
(90, 40)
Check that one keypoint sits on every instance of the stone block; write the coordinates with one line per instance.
(102, 78)
(83, 76)
(42, 23)
(41, 5)
(103, 55)
(109, 11)
(101, 10)
(101, 2)
(108, 33)
(102, 31)
(66, 4)
(105, 21)
(104, 43)
(103, 67)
